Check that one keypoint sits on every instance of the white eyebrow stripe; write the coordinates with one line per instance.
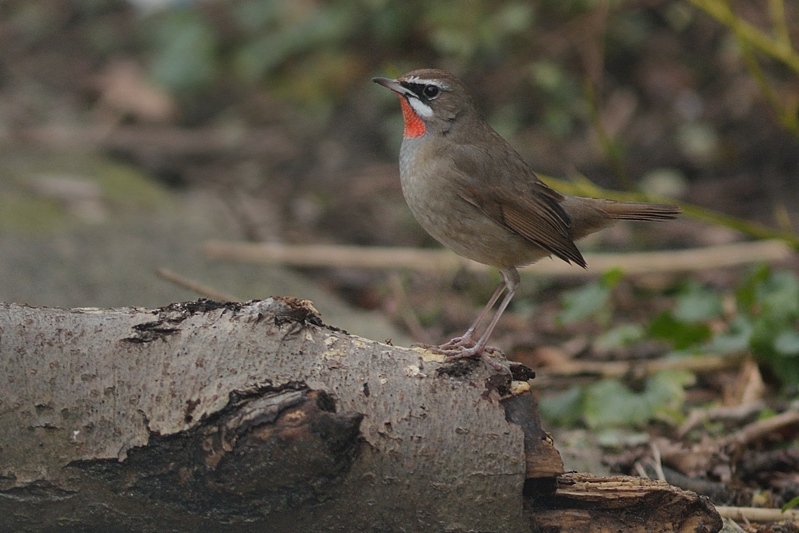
(421, 81)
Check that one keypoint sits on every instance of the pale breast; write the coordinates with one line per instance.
(434, 200)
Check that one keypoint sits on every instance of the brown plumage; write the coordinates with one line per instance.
(475, 194)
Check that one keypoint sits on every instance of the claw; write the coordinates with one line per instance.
(454, 351)
(459, 342)
(474, 351)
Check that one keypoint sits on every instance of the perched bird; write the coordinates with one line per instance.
(474, 193)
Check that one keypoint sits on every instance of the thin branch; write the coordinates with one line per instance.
(404, 310)
(194, 286)
(757, 514)
(787, 117)
(609, 146)
(776, 9)
(334, 256)
(705, 363)
(777, 48)
(760, 428)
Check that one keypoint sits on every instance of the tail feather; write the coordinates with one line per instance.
(588, 215)
(638, 210)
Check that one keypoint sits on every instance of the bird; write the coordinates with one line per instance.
(472, 192)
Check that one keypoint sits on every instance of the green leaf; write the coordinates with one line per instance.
(621, 438)
(611, 278)
(735, 339)
(610, 403)
(746, 293)
(787, 343)
(513, 18)
(773, 342)
(588, 300)
(779, 296)
(255, 15)
(681, 334)
(790, 505)
(765, 330)
(618, 337)
(665, 392)
(563, 409)
(696, 304)
(583, 302)
(787, 370)
(771, 301)
(186, 52)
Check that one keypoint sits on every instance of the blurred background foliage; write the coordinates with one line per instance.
(653, 84)
(692, 99)
(650, 85)
(759, 316)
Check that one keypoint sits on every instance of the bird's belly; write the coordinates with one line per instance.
(480, 239)
(463, 228)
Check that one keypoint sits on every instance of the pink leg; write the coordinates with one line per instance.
(467, 339)
(510, 282)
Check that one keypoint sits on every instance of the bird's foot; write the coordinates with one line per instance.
(465, 348)
(468, 352)
(455, 345)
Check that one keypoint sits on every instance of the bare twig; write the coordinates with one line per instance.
(335, 256)
(775, 47)
(756, 514)
(657, 461)
(618, 369)
(759, 429)
(405, 311)
(737, 413)
(162, 139)
(199, 288)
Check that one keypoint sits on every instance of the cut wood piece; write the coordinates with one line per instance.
(585, 503)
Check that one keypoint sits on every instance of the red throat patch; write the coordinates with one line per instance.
(414, 126)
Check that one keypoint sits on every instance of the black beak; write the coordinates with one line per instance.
(394, 85)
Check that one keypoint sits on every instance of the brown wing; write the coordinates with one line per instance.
(512, 195)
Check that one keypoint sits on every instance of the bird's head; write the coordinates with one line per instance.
(432, 100)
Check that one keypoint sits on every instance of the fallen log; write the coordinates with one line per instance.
(208, 416)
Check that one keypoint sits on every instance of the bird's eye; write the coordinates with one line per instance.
(431, 91)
